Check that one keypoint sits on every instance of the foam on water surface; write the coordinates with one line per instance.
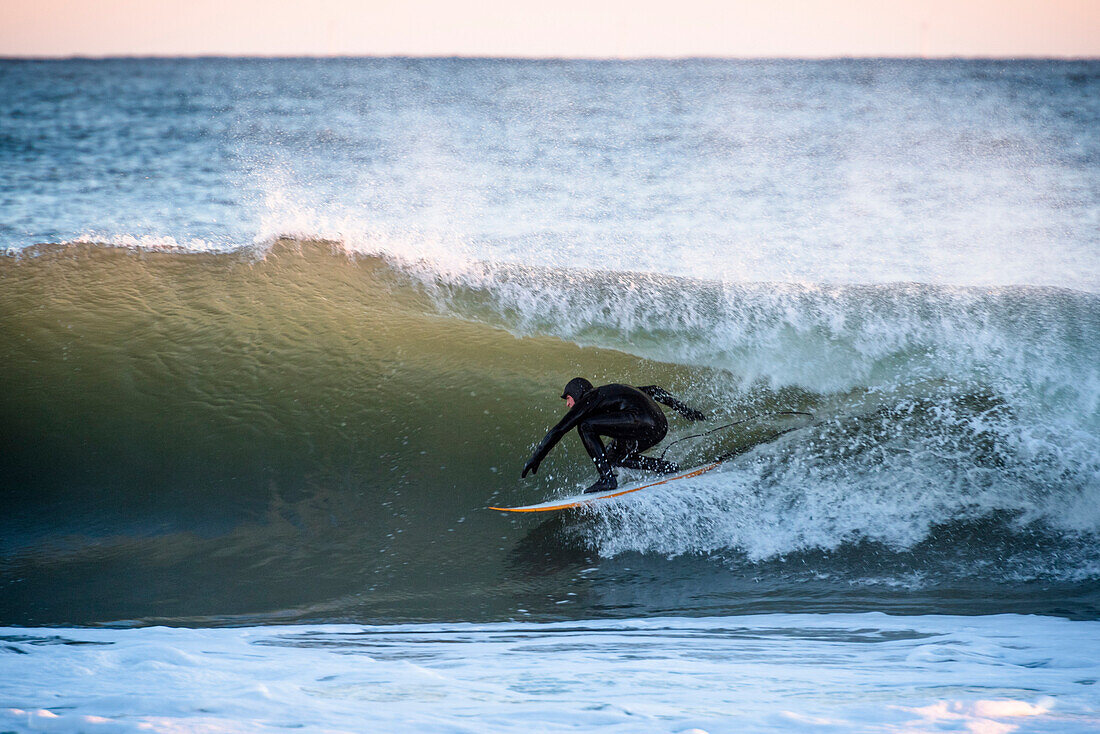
(781, 672)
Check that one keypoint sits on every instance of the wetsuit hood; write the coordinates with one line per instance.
(575, 388)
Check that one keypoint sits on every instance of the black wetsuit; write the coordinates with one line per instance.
(628, 416)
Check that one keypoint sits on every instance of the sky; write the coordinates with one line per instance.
(552, 28)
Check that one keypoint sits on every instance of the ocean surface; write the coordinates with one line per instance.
(275, 333)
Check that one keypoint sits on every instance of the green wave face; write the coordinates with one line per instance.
(301, 418)
(294, 363)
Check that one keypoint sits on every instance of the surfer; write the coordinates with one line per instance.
(627, 415)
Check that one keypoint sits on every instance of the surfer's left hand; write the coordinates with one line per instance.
(532, 466)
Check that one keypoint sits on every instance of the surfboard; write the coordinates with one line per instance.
(583, 500)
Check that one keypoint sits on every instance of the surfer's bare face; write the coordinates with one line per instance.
(569, 401)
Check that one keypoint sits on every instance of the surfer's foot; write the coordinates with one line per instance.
(603, 484)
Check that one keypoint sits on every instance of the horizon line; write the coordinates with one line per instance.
(501, 57)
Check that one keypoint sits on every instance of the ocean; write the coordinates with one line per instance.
(275, 333)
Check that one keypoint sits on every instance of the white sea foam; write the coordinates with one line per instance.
(154, 243)
(779, 672)
(778, 503)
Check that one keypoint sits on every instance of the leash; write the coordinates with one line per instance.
(742, 450)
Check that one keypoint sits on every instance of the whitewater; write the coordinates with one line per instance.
(276, 333)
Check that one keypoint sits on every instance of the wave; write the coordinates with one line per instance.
(210, 402)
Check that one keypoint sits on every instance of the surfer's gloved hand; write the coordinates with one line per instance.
(694, 415)
(531, 467)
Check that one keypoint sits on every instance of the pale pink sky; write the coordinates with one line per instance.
(566, 28)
